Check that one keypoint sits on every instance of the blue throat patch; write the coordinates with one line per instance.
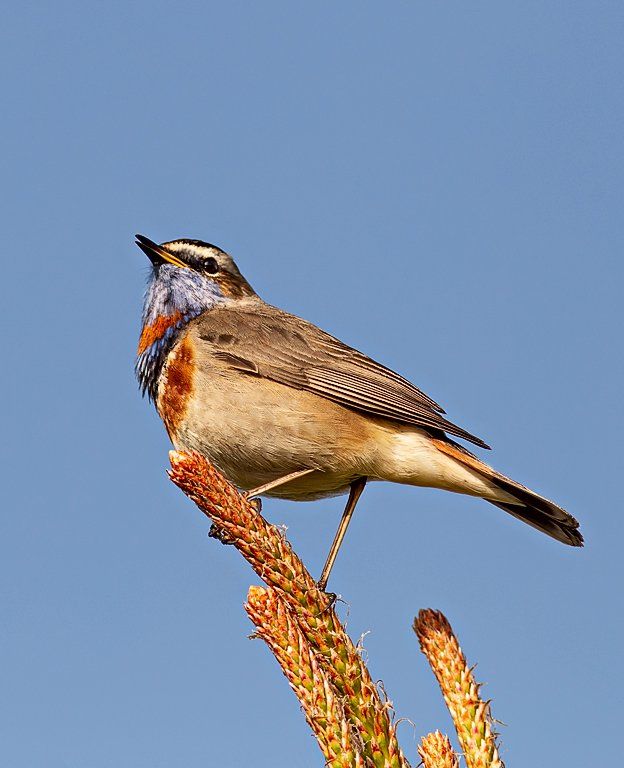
(171, 291)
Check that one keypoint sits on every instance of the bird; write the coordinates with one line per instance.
(283, 409)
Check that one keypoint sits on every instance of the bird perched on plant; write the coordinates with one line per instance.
(284, 409)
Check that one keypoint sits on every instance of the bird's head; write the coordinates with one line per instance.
(188, 277)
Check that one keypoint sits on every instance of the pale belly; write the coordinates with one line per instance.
(256, 431)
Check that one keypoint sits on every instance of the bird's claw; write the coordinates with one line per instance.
(332, 597)
(255, 501)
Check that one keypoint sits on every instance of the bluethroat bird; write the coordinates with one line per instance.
(284, 409)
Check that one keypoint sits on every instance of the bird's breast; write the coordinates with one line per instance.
(176, 386)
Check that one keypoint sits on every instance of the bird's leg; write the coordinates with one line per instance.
(218, 533)
(275, 483)
(357, 486)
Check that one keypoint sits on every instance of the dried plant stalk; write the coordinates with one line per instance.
(273, 559)
(471, 715)
(323, 709)
(435, 751)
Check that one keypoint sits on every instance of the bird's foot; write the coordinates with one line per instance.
(255, 501)
(220, 535)
(332, 597)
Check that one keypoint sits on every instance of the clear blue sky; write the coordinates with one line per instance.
(439, 184)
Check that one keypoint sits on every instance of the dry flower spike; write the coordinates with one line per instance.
(435, 751)
(323, 709)
(273, 559)
(471, 715)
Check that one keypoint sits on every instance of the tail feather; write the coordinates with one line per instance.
(533, 509)
(565, 532)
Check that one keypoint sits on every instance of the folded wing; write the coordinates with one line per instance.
(261, 340)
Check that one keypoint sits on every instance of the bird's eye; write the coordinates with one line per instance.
(210, 266)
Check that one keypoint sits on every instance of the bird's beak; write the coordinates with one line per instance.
(156, 253)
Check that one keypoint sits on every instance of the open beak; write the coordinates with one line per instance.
(156, 253)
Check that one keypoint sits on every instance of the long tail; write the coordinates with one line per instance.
(531, 508)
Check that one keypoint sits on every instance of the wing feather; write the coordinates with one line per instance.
(261, 340)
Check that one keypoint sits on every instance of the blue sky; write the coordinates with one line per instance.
(439, 185)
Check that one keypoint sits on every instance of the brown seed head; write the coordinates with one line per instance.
(471, 715)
